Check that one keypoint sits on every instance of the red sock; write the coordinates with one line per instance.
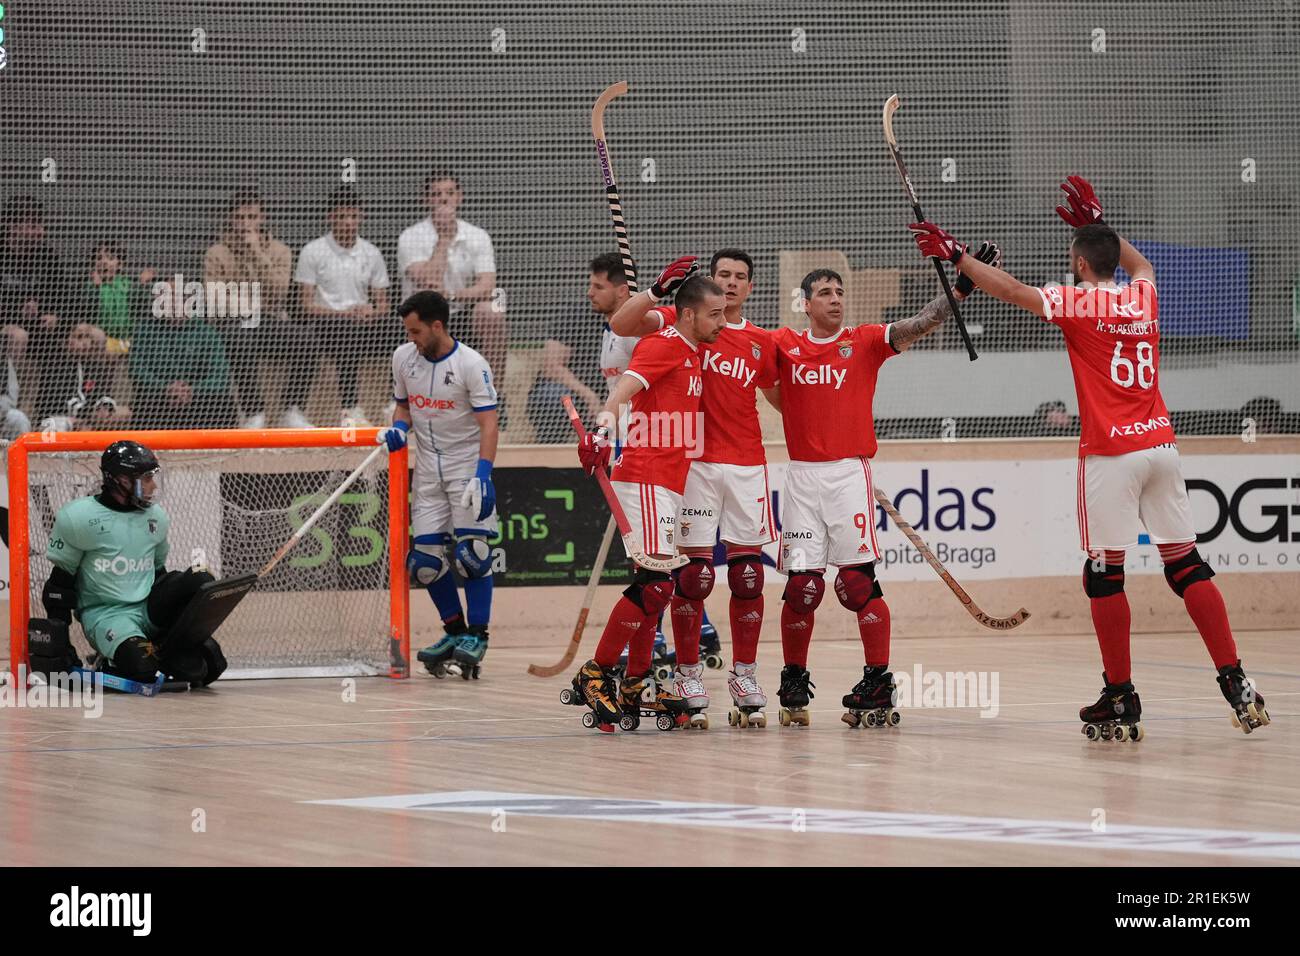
(686, 628)
(1205, 605)
(873, 625)
(624, 621)
(641, 649)
(746, 623)
(1111, 619)
(796, 635)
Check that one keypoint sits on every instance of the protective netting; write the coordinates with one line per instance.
(754, 124)
(323, 609)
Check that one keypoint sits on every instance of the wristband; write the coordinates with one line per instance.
(484, 470)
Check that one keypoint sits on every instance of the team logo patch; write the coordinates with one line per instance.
(688, 363)
(864, 548)
(153, 526)
(846, 350)
(758, 353)
(449, 378)
(686, 529)
(795, 351)
(668, 536)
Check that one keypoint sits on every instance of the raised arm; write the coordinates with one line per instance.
(1084, 209)
(633, 316)
(935, 243)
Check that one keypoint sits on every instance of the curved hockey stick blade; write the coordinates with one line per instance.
(988, 620)
(565, 662)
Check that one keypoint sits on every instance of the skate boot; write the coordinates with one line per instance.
(871, 702)
(794, 694)
(467, 658)
(594, 688)
(437, 656)
(710, 646)
(1248, 711)
(662, 660)
(747, 696)
(1117, 714)
(689, 686)
(645, 697)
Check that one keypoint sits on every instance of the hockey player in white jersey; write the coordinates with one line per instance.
(446, 402)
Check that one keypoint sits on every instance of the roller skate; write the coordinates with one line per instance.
(710, 645)
(747, 696)
(662, 660)
(794, 694)
(437, 656)
(689, 686)
(645, 697)
(467, 658)
(594, 687)
(871, 702)
(1248, 711)
(1116, 715)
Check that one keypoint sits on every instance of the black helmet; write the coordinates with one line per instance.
(130, 460)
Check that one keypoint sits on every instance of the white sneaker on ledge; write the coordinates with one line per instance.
(293, 418)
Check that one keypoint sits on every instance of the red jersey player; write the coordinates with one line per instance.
(826, 384)
(726, 489)
(1129, 472)
(663, 384)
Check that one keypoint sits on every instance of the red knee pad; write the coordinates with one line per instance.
(856, 585)
(695, 580)
(745, 576)
(803, 591)
(650, 590)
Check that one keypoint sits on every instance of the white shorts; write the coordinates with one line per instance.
(828, 515)
(652, 513)
(734, 497)
(1120, 495)
(435, 509)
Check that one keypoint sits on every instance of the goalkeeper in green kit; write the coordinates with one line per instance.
(108, 552)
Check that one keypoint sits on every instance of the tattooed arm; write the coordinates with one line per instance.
(903, 333)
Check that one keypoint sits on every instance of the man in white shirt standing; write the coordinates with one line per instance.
(445, 254)
(344, 285)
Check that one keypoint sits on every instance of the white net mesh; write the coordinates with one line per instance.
(760, 129)
(323, 609)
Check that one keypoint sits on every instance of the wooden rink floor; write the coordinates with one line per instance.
(499, 772)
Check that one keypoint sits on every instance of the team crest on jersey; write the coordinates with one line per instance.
(758, 353)
(450, 377)
(846, 350)
(153, 526)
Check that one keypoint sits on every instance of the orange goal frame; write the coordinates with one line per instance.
(399, 520)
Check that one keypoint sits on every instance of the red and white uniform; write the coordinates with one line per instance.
(727, 487)
(1129, 472)
(659, 437)
(828, 515)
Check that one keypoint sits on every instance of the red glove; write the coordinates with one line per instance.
(674, 274)
(593, 450)
(934, 243)
(1085, 207)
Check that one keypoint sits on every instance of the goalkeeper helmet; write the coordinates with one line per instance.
(130, 474)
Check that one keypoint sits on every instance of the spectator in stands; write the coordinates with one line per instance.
(247, 252)
(571, 355)
(33, 283)
(344, 289)
(181, 375)
(1051, 419)
(116, 300)
(448, 255)
(13, 420)
(81, 385)
(1266, 414)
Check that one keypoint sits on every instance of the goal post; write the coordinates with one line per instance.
(338, 605)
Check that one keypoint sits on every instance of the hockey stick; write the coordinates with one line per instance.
(891, 106)
(611, 187)
(994, 623)
(624, 527)
(567, 660)
(307, 525)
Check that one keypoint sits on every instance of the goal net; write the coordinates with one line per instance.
(235, 498)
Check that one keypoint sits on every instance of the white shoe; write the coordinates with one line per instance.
(688, 685)
(354, 416)
(254, 421)
(293, 418)
(744, 687)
